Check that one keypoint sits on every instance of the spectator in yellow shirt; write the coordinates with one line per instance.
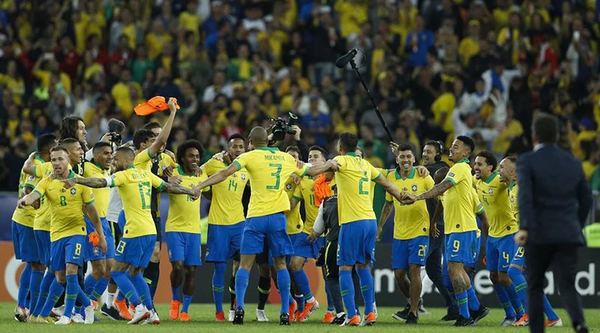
(13, 81)
(156, 40)
(443, 107)
(122, 95)
(51, 66)
(353, 14)
(189, 20)
(469, 46)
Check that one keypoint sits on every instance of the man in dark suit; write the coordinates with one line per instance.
(554, 201)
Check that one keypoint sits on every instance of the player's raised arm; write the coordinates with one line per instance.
(29, 199)
(89, 182)
(436, 190)
(319, 169)
(389, 187)
(29, 166)
(221, 175)
(162, 138)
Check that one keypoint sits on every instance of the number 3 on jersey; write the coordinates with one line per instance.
(277, 175)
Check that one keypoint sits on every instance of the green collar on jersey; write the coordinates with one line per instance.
(37, 157)
(182, 172)
(71, 174)
(411, 175)
(491, 177)
(351, 154)
(271, 149)
(130, 167)
(512, 186)
(464, 160)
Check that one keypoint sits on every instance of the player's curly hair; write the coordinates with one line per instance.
(490, 158)
(181, 150)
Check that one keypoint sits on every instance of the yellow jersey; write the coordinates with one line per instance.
(67, 213)
(43, 215)
(184, 213)
(269, 169)
(410, 221)
(226, 205)
(293, 217)
(25, 216)
(444, 104)
(495, 199)
(135, 187)
(101, 195)
(353, 179)
(513, 192)
(458, 211)
(305, 191)
(144, 160)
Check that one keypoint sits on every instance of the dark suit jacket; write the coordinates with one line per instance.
(554, 197)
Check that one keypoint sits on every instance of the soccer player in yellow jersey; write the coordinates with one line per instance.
(97, 281)
(508, 174)
(268, 169)
(358, 230)
(41, 231)
(293, 217)
(303, 248)
(411, 228)
(183, 228)
(67, 233)
(149, 143)
(461, 227)
(226, 222)
(139, 235)
(24, 241)
(500, 245)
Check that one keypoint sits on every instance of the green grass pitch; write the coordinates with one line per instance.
(203, 321)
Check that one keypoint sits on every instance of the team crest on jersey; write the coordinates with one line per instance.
(490, 191)
(73, 191)
(243, 177)
(288, 187)
(414, 188)
(30, 178)
(512, 199)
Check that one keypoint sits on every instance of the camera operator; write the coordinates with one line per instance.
(114, 136)
(280, 129)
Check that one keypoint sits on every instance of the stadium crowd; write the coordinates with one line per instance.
(437, 69)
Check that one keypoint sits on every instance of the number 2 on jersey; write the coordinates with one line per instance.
(277, 175)
(361, 182)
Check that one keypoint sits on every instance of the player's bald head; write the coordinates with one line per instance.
(126, 152)
(258, 136)
(440, 175)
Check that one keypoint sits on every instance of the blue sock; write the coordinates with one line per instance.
(518, 279)
(24, 282)
(330, 302)
(284, 281)
(144, 290)
(120, 295)
(366, 287)
(505, 301)
(44, 290)
(89, 284)
(56, 289)
(99, 289)
(71, 294)
(473, 301)
(218, 285)
(291, 299)
(34, 288)
(514, 300)
(301, 300)
(303, 284)
(463, 304)
(241, 284)
(126, 288)
(176, 292)
(347, 290)
(548, 310)
(187, 300)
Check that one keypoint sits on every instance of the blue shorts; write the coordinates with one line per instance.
(500, 252)
(184, 246)
(460, 247)
(473, 264)
(223, 241)
(67, 250)
(409, 252)
(135, 251)
(288, 258)
(356, 243)
(95, 253)
(24, 243)
(42, 240)
(519, 257)
(273, 228)
(305, 248)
